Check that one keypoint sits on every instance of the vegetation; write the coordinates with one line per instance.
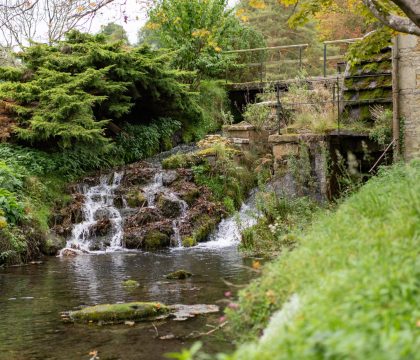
(281, 219)
(198, 31)
(353, 275)
(222, 169)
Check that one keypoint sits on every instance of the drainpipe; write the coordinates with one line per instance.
(395, 102)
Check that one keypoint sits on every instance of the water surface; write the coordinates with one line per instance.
(32, 297)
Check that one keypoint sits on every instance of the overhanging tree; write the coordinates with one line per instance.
(399, 15)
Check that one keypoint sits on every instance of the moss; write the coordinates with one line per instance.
(136, 198)
(191, 195)
(207, 225)
(189, 241)
(180, 161)
(178, 275)
(131, 283)
(156, 240)
(118, 313)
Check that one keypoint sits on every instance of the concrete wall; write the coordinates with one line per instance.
(409, 92)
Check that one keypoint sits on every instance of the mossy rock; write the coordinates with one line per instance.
(156, 239)
(189, 241)
(136, 199)
(178, 275)
(190, 195)
(118, 313)
(131, 283)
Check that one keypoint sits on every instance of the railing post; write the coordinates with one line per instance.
(300, 59)
(325, 60)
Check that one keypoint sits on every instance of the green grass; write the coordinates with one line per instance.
(356, 273)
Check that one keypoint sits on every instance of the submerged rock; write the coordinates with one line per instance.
(118, 313)
(178, 275)
(131, 283)
(129, 313)
(184, 312)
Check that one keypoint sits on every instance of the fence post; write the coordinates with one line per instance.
(278, 107)
(261, 67)
(325, 60)
(300, 58)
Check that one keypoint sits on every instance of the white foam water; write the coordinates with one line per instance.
(228, 232)
(98, 199)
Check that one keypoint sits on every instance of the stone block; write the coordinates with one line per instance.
(280, 151)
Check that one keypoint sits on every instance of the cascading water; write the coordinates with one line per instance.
(154, 188)
(99, 206)
(228, 232)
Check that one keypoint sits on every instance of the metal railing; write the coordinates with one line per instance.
(285, 62)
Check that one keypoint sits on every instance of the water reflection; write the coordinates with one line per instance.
(31, 328)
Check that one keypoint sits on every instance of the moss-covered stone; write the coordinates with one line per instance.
(189, 241)
(156, 240)
(190, 195)
(136, 198)
(118, 313)
(178, 275)
(131, 283)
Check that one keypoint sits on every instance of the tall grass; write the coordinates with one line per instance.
(356, 274)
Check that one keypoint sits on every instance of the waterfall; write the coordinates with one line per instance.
(228, 232)
(99, 206)
(152, 189)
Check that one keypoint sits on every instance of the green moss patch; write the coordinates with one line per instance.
(118, 313)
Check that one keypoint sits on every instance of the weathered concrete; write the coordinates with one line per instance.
(409, 93)
(246, 135)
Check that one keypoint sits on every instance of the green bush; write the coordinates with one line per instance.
(356, 276)
(12, 209)
(140, 141)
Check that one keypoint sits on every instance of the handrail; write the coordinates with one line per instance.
(342, 41)
(267, 48)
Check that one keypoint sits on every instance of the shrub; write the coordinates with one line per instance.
(11, 208)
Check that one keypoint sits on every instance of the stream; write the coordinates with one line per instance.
(33, 296)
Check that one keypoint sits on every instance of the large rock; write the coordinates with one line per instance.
(118, 313)
(143, 217)
(169, 177)
(169, 206)
(136, 198)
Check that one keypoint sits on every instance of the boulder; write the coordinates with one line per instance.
(101, 228)
(118, 313)
(169, 206)
(178, 275)
(169, 177)
(136, 198)
(143, 217)
(156, 239)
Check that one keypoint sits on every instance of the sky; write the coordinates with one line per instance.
(136, 17)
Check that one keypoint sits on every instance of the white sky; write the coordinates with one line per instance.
(136, 17)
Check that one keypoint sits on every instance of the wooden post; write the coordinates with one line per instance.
(395, 107)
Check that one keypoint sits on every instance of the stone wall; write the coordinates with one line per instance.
(409, 93)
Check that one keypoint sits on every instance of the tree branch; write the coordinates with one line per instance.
(398, 23)
(411, 8)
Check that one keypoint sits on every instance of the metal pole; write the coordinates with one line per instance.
(325, 60)
(338, 105)
(300, 59)
(395, 102)
(278, 106)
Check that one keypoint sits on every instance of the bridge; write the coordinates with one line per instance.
(275, 69)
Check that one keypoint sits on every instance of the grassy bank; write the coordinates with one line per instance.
(356, 277)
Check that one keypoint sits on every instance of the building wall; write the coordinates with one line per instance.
(409, 93)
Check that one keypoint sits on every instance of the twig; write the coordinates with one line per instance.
(156, 330)
(232, 284)
(208, 332)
